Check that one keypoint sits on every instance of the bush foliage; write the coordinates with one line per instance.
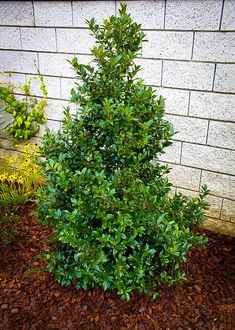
(106, 193)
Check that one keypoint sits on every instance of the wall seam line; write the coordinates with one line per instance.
(200, 181)
(161, 74)
(189, 103)
(221, 15)
(56, 42)
(164, 16)
(181, 151)
(213, 81)
(193, 41)
(221, 208)
(72, 13)
(154, 86)
(34, 21)
(144, 29)
(38, 62)
(207, 134)
(213, 195)
(199, 168)
(21, 45)
(60, 87)
(115, 8)
(140, 57)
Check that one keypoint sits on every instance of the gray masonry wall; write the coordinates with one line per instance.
(189, 59)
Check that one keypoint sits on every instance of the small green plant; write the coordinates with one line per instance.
(8, 226)
(20, 177)
(27, 115)
(106, 193)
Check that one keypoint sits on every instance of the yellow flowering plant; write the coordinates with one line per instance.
(20, 177)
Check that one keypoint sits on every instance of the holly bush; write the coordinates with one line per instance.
(106, 192)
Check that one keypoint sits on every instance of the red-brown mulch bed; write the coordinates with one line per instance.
(32, 299)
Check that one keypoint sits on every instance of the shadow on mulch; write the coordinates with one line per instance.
(32, 299)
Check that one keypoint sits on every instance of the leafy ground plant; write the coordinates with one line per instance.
(106, 192)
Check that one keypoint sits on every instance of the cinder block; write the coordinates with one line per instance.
(172, 153)
(189, 129)
(150, 14)
(73, 108)
(8, 153)
(218, 226)
(5, 118)
(51, 124)
(10, 37)
(209, 158)
(219, 184)
(172, 192)
(214, 46)
(86, 10)
(228, 210)
(212, 106)
(168, 45)
(188, 75)
(53, 13)
(6, 144)
(15, 79)
(16, 13)
(66, 86)
(187, 192)
(193, 15)
(214, 201)
(151, 71)
(221, 135)
(18, 61)
(228, 19)
(224, 78)
(56, 64)
(52, 86)
(184, 177)
(215, 206)
(74, 41)
(55, 109)
(176, 101)
(40, 39)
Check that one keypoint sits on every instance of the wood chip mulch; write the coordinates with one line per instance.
(30, 298)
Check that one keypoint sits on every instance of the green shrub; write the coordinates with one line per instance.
(106, 193)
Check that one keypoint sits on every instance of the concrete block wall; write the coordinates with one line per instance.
(189, 59)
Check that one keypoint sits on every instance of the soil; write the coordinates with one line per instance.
(30, 298)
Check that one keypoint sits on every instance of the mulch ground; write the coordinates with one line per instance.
(30, 298)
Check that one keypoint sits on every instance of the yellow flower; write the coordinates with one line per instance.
(12, 177)
(20, 180)
(35, 147)
(3, 176)
(10, 160)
